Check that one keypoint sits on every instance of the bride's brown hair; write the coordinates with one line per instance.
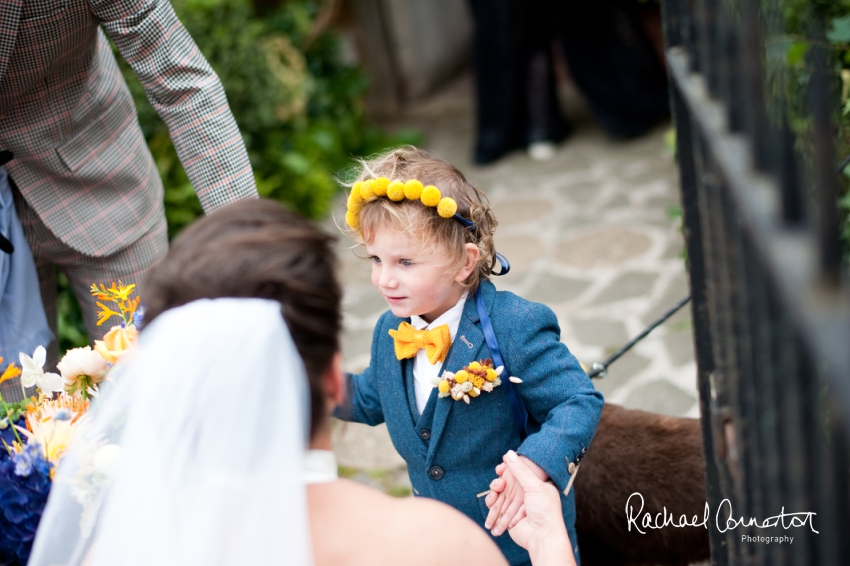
(256, 248)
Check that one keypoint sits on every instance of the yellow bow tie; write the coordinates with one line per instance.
(408, 341)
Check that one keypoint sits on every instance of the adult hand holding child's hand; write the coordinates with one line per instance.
(541, 528)
(506, 499)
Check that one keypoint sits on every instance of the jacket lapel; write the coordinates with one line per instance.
(460, 354)
(410, 387)
(10, 15)
(397, 385)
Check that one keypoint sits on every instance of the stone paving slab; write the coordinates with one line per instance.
(588, 233)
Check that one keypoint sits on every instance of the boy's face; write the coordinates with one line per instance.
(413, 280)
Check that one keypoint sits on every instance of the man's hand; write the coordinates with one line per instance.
(506, 500)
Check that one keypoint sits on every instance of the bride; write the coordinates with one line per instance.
(218, 435)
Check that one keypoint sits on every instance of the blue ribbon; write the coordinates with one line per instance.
(466, 222)
(517, 408)
(503, 261)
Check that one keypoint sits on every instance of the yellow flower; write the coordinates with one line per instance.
(367, 190)
(380, 186)
(10, 372)
(119, 295)
(491, 374)
(472, 393)
(395, 191)
(413, 189)
(478, 382)
(462, 376)
(354, 207)
(355, 201)
(352, 219)
(444, 386)
(447, 207)
(474, 366)
(430, 196)
(117, 342)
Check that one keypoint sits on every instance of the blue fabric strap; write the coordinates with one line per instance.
(517, 407)
(503, 261)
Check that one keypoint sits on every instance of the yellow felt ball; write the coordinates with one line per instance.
(462, 376)
(352, 219)
(430, 196)
(367, 190)
(354, 207)
(355, 201)
(395, 191)
(444, 386)
(413, 189)
(380, 186)
(491, 374)
(447, 207)
(474, 365)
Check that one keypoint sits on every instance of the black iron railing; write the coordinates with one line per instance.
(771, 300)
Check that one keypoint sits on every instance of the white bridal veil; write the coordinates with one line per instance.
(194, 455)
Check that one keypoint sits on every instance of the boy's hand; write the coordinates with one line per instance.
(507, 497)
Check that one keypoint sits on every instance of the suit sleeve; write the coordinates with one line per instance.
(363, 398)
(556, 391)
(186, 93)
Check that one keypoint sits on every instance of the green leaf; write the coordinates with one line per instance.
(796, 52)
(840, 32)
(296, 163)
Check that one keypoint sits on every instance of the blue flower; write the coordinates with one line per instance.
(138, 318)
(24, 486)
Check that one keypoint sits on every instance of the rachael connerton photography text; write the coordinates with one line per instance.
(724, 519)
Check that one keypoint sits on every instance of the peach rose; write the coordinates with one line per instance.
(117, 342)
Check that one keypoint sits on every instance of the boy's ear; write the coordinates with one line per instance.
(334, 381)
(473, 254)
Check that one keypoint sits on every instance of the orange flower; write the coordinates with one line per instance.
(116, 343)
(10, 372)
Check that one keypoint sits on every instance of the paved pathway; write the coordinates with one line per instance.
(588, 233)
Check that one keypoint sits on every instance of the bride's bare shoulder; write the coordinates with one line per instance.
(414, 530)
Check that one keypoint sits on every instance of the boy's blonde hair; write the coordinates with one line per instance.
(423, 222)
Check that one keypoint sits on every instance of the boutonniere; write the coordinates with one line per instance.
(471, 381)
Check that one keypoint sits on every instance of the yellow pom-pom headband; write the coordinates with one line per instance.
(364, 191)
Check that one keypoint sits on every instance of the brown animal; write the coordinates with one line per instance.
(659, 457)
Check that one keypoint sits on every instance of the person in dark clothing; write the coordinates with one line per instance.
(609, 55)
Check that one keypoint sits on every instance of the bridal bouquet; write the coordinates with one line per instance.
(35, 432)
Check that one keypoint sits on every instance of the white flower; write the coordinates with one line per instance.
(499, 370)
(82, 361)
(32, 374)
(487, 387)
(457, 391)
(466, 387)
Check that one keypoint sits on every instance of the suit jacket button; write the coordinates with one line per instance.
(424, 434)
(436, 473)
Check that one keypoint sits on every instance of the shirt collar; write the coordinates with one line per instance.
(449, 317)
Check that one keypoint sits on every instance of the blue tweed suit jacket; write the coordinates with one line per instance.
(452, 448)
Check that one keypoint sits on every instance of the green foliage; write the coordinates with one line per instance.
(298, 107)
(792, 32)
(72, 330)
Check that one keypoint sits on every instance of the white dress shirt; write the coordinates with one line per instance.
(424, 370)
